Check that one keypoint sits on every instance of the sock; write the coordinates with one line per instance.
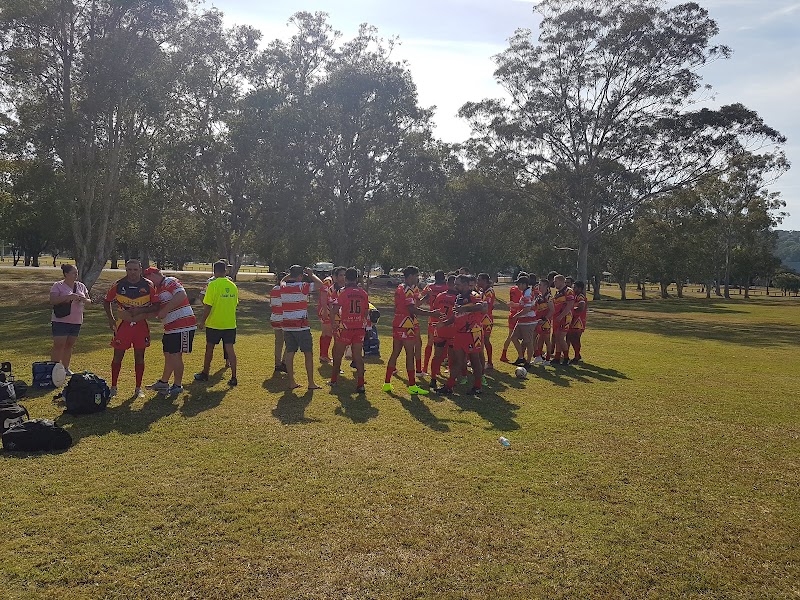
(428, 350)
(360, 382)
(139, 374)
(389, 373)
(324, 345)
(412, 377)
(478, 382)
(436, 366)
(334, 376)
(419, 363)
(577, 345)
(488, 354)
(451, 381)
(558, 355)
(115, 369)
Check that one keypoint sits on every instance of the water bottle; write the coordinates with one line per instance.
(504, 442)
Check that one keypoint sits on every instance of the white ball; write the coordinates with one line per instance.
(521, 373)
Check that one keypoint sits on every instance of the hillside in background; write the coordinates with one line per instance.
(788, 248)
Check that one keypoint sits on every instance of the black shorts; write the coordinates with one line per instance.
(215, 336)
(60, 329)
(298, 340)
(178, 343)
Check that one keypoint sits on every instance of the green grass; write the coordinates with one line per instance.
(665, 467)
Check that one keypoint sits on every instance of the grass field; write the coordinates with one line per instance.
(667, 466)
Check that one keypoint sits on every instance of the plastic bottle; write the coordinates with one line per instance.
(504, 442)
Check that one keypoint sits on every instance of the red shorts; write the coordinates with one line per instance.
(487, 330)
(431, 330)
(466, 342)
(401, 333)
(577, 326)
(443, 342)
(136, 336)
(348, 337)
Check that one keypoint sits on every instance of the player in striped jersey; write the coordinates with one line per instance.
(296, 330)
(180, 324)
(275, 319)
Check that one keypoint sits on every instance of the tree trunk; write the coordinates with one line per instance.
(747, 289)
(664, 286)
(623, 291)
(36, 259)
(27, 260)
(643, 290)
(115, 262)
(595, 287)
(583, 254)
(708, 290)
(717, 290)
(679, 286)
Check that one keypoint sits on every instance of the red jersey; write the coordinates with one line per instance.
(181, 318)
(327, 295)
(127, 295)
(560, 300)
(352, 308)
(431, 291)
(294, 305)
(542, 304)
(444, 303)
(469, 322)
(404, 297)
(579, 316)
(276, 315)
(489, 297)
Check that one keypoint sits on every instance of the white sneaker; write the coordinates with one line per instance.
(139, 393)
(159, 386)
(112, 391)
(545, 363)
(537, 360)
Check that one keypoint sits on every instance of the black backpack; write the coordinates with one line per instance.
(8, 393)
(86, 393)
(12, 414)
(6, 376)
(39, 435)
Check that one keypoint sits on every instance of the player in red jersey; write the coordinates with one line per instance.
(468, 340)
(352, 314)
(130, 293)
(327, 295)
(543, 311)
(525, 323)
(429, 294)
(578, 325)
(563, 301)
(514, 295)
(487, 294)
(443, 333)
(405, 329)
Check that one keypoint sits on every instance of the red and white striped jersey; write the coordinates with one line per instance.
(181, 318)
(294, 305)
(276, 304)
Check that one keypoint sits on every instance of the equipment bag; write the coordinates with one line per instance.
(86, 393)
(48, 375)
(12, 414)
(38, 435)
(8, 393)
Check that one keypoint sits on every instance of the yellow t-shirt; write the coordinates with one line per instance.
(222, 296)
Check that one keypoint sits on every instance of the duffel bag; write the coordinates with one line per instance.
(12, 414)
(38, 435)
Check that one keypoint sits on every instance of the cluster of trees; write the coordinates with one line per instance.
(148, 128)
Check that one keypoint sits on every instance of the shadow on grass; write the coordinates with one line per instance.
(419, 410)
(291, 408)
(749, 334)
(119, 417)
(497, 411)
(714, 306)
(355, 407)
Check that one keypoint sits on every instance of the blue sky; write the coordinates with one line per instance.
(449, 44)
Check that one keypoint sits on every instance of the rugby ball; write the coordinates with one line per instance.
(521, 373)
(59, 375)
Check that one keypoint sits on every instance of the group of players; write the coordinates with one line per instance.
(546, 318)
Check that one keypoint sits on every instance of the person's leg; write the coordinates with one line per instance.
(397, 346)
(477, 370)
(57, 353)
(418, 353)
(428, 351)
(338, 354)
(278, 348)
(507, 342)
(169, 367)
(410, 347)
(116, 366)
(288, 357)
(309, 356)
(576, 344)
(487, 344)
(66, 359)
(436, 365)
(358, 359)
(138, 358)
(231, 348)
(325, 342)
(177, 369)
(208, 357)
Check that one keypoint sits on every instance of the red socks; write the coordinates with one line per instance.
(412, 379)
(428, 350)
(360, 382)
(436, 366)
(488, 353)
(324, 346)
(389, 373)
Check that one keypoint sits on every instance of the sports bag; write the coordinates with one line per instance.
(8, 393)
(12, 414)
(48, 375)
(37, 435)
(86, 393)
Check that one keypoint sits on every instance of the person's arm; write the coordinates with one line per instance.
(567, 310)
(58, 299)
(164, 309)
(201, 322)
(112, 321)
(313, 276)
(472, 307)
(581, 306)
(551, 310)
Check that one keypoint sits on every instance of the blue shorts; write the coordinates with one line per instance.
(65, 329)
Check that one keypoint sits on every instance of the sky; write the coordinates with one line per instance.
(448, 45)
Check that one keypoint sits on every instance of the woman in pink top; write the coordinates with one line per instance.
(66, 329)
